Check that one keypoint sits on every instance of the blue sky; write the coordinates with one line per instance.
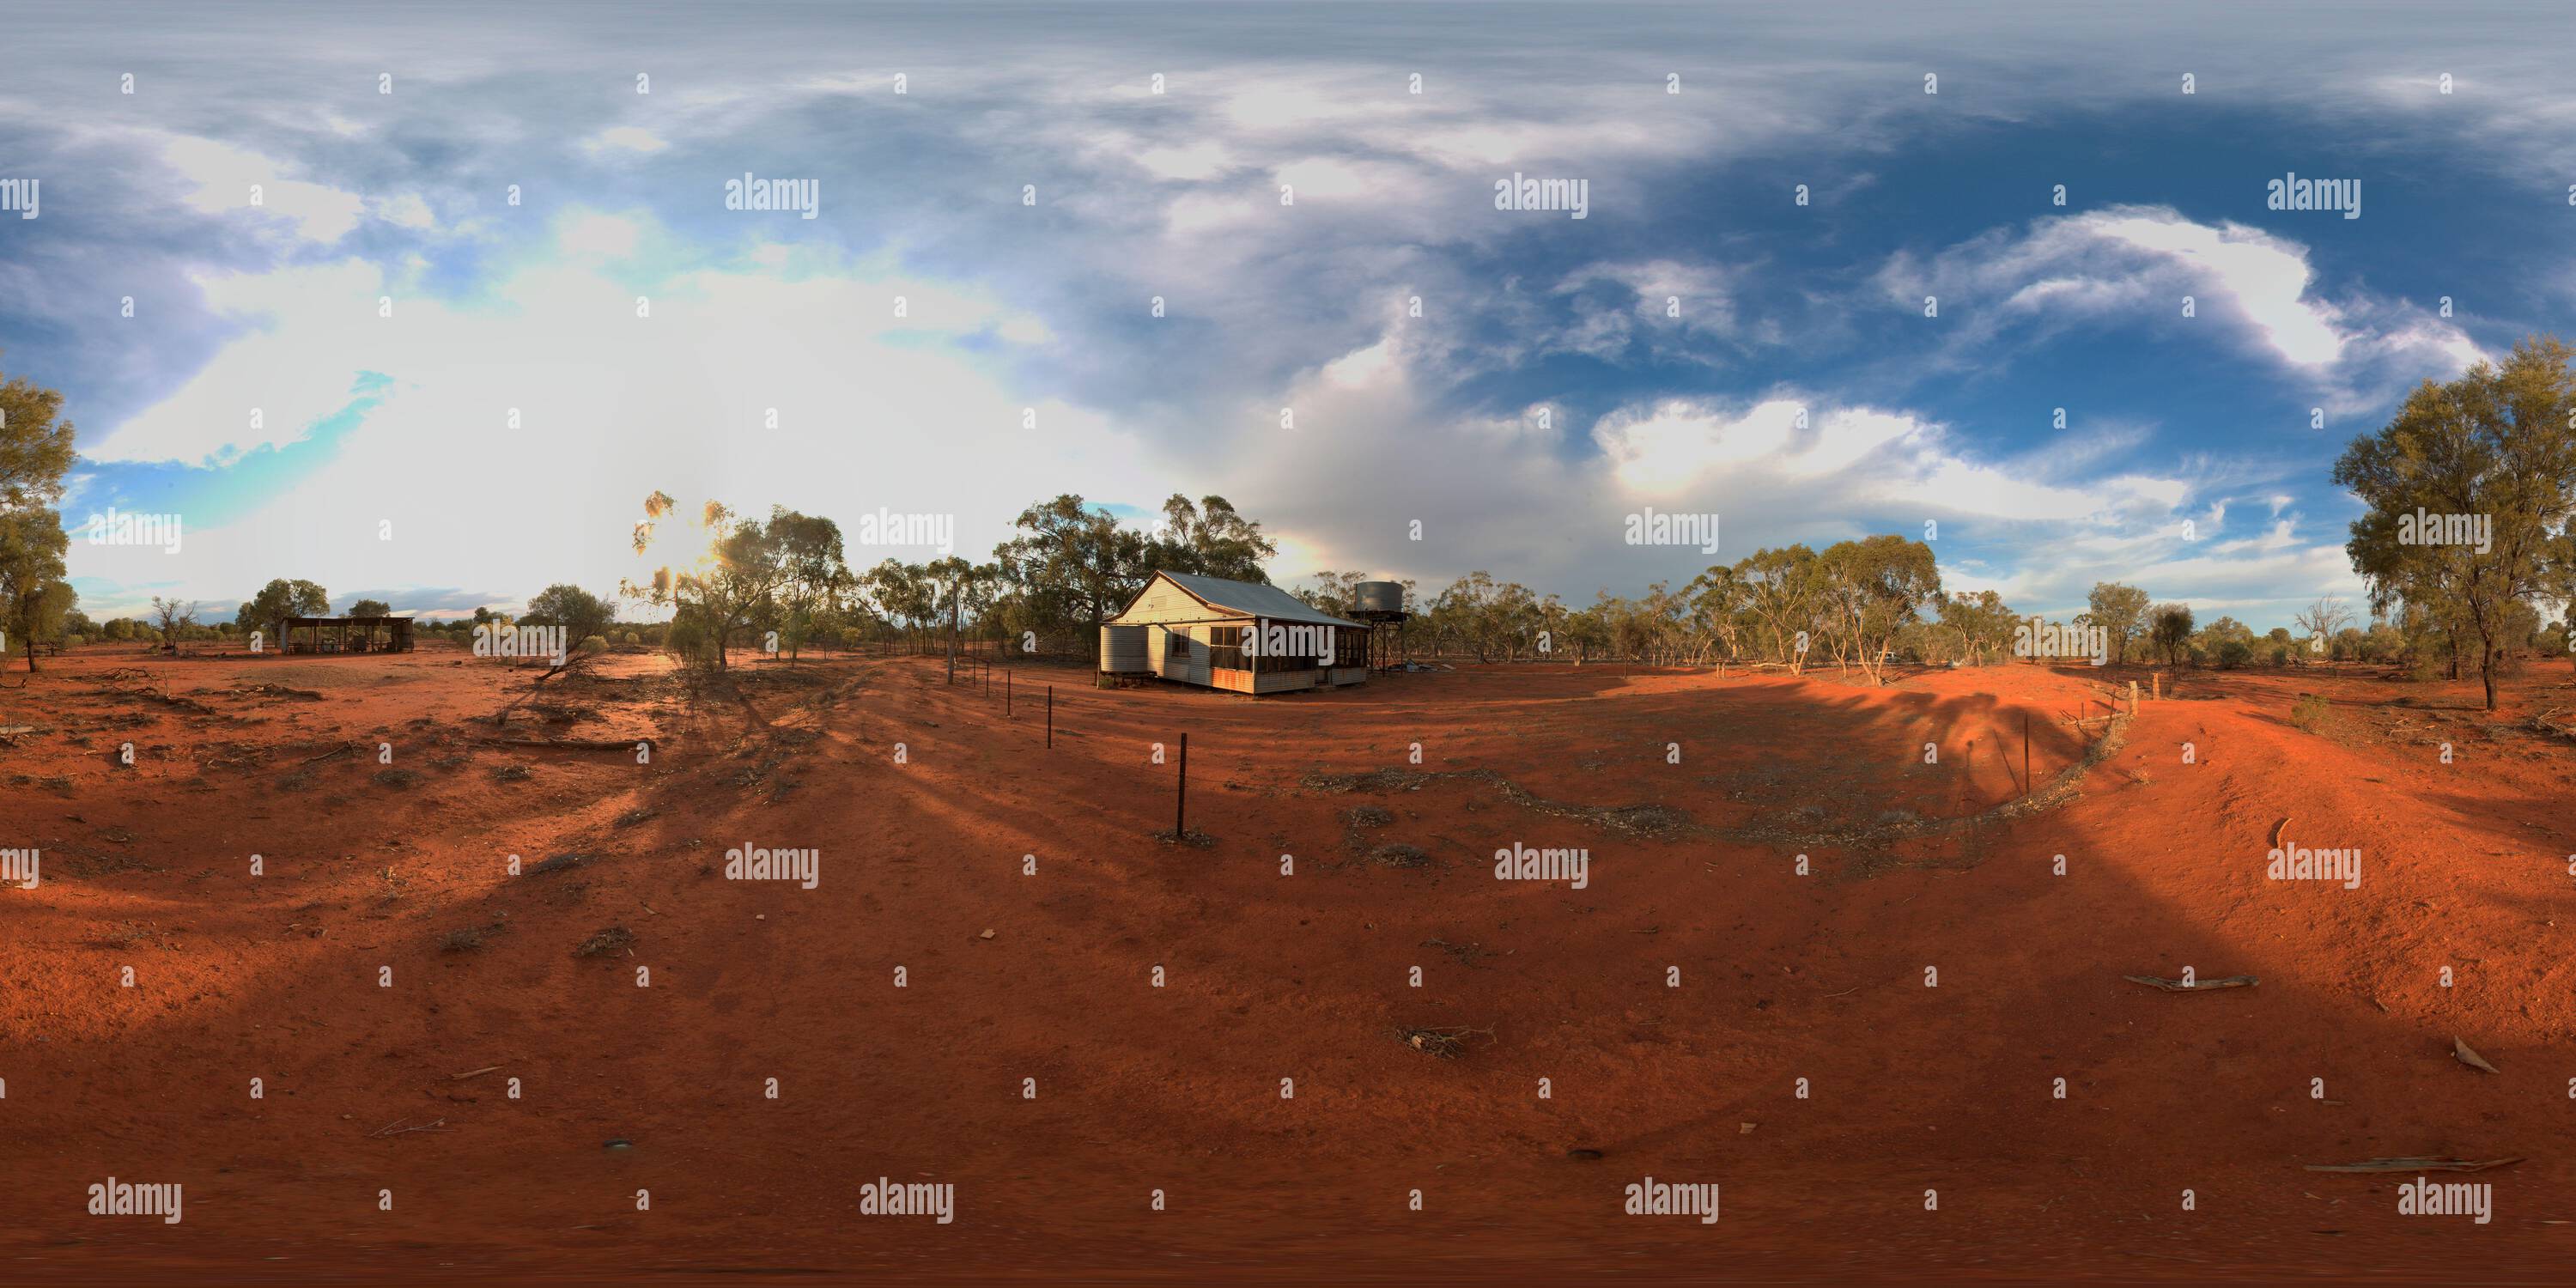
(459, 403)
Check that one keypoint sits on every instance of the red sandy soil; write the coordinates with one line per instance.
(1177, 1088)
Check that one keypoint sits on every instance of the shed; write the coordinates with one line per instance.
(344, 635)
(1236, 635)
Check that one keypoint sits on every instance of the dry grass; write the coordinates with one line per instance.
(613, 939)
(1444, 1044)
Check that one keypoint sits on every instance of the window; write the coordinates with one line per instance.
(1225, 647)
(1350, 646)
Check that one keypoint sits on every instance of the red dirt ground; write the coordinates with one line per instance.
(1176, 1089)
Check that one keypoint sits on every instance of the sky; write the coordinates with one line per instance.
(420, 301)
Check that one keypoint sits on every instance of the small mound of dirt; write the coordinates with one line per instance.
(1399, 855)
(1367, 816)
(1643, 820)
(279, 691)
(467, 939)
(607, 941)
(1377, 781)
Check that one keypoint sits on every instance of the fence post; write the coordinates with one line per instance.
(1181, 798)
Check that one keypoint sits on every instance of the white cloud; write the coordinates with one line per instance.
(1200, 159)
(2134, 265)
(871, 411)
(406, 210)
(225, 177)
(591, 233)
(2266, 278)
(624, 138)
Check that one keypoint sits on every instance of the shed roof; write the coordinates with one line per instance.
(1252, 599)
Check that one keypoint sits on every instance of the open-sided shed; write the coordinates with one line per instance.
(344, 635)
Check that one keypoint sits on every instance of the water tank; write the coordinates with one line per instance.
(1122, 650)
(1379, 597)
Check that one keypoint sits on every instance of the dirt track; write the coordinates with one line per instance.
(1267, 977)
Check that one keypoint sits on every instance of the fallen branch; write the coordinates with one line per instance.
(1445, 1044)
(2460, 1051)
(2413, 1165)
(397, 1128)
(341, 750)
(576, 744)
(2202, 986)
(277, 691)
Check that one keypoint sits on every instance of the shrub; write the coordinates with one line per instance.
(2309, 712)
(633, 638)
(2233, 654)
(73, 641)
(594, 644)
(581, 614)
(690, 641)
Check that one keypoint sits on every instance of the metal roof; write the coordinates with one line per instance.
(1254, 600)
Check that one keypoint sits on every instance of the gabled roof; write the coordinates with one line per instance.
(1249, 599)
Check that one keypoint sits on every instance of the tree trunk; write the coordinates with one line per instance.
(2488, 656)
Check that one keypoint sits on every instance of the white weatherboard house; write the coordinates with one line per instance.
(1232, 635)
